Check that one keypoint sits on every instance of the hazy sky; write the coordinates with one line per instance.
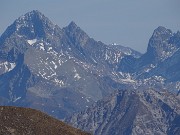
(126, 22)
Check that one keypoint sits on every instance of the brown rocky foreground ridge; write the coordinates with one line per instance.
(25, 121)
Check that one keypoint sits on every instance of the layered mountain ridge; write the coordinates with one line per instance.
(128, 112)
(62, 70)
(52, 69)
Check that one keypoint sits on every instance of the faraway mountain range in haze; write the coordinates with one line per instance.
(104, 89)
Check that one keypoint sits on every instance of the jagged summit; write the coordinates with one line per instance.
(76, 34)
(32, 13)
(73, 25)
(30, 16)
(30, 25)
(159, 35)
(34, 23)
(35, 12)
(160, 46)
(161, 31)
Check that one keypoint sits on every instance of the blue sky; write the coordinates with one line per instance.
(126, 22)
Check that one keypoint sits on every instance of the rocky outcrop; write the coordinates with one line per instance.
(132, 113)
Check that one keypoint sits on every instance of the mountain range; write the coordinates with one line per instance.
(56, 70)
(62, 71)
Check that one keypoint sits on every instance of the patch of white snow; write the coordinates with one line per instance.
(32, 41)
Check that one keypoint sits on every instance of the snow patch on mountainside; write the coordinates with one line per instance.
(41, 47)
(149, 68)
(31, 42)
(6, 67)
(16, 99)
(76, 76)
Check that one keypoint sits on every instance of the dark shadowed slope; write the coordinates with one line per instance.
(19, 121)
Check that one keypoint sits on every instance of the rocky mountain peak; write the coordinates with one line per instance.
(160, 36)
(32, 17)
(159, 47)
(32, 14)
(72, 25)
(31, 25)
(76, 34)
(161, 31)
